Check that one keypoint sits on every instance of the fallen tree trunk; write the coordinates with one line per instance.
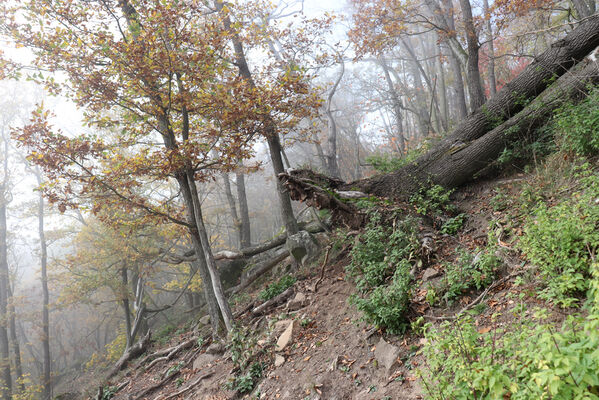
(259, 270)
(247, 252)
(509, 101)
(482, 136)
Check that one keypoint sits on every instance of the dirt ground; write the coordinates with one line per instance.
(332, 353)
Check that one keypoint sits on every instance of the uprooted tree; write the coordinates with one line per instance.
(553, 78)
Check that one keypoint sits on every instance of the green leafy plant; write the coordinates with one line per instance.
(525, 360)
(164, 333)
(576, 125)
(432, 200)
(174, 368)
(381, 260)
(562, 240)
(246, 382)
(472, 270)
(276, 288)
(453, 225)
(108, 392)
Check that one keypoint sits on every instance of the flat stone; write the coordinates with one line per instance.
(280, 326)
(286, 338)
(205, 320)
(215, 349)
(429, 274)
(202, 360)
(386, 354)
(279, 360)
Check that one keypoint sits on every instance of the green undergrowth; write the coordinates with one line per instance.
(276, 288)
(552, 223)
(528, 358)
(381, 261)
(471, 270)
(562, 239)
(247, 359)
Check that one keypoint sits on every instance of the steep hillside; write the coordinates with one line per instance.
(489, 292)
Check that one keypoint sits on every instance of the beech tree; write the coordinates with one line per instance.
(155, 80)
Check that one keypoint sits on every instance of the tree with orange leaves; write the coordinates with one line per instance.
(156, 82)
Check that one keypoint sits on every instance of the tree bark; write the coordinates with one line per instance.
(14, 342)
(454, 62)
(332, 165)
(397, 106)
(126, 308)
(47, 360)
(232, 208)
(477, 95)
(210, 263)
(246, 231)
(5, 375)
(491, 49)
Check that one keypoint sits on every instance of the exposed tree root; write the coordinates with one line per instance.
(168, 354)
(303, 185)
(166, 378)
(191, 386)
(135, 351)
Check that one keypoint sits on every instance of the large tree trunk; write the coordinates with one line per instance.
(244, 211)
(554, 62)
(477, 95)
(210, 263)
(480, 138)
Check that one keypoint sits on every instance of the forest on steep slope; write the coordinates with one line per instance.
(161, 158)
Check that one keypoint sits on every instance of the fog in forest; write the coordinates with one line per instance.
(133, 139)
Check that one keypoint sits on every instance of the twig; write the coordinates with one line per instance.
(324, 264)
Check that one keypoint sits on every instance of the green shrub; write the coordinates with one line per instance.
(380, 267)
(562, 239)
(453, 225)
(276, 288)
(164, 333)
(576, 125)
(527, 359)
(386, 305)
(472, 270)
(432, 200)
